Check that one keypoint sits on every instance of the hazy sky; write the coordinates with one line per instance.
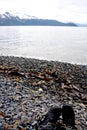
(62, 10)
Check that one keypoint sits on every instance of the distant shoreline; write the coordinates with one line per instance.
(8, 19)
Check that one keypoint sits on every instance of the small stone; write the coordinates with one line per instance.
(86, 116)
(2, 127)
(34, 123)
(1, 105)
(82, 105)
(40, 90)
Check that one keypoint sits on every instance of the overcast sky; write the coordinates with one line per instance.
(62, 10)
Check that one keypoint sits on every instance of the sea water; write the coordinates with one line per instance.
(66, 44)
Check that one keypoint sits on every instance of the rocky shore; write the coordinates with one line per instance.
(30, 87)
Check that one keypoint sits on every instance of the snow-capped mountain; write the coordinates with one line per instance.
(25, 16)
(8, 19)
(8, 15)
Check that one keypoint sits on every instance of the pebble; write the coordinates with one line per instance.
(24, 99)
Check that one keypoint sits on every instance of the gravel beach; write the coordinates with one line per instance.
(30, 87)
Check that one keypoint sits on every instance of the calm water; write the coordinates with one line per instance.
(67, 44)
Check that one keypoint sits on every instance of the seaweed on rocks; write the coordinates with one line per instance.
(30, 87)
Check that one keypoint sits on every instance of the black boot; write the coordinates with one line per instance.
(68, 116)
(49, 122)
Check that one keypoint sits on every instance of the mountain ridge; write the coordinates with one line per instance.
(8, 19)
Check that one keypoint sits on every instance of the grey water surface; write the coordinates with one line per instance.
(66, 44)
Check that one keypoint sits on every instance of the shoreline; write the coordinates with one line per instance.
(67, 68)
(41, 59)
(46, 59)
(29, 87)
